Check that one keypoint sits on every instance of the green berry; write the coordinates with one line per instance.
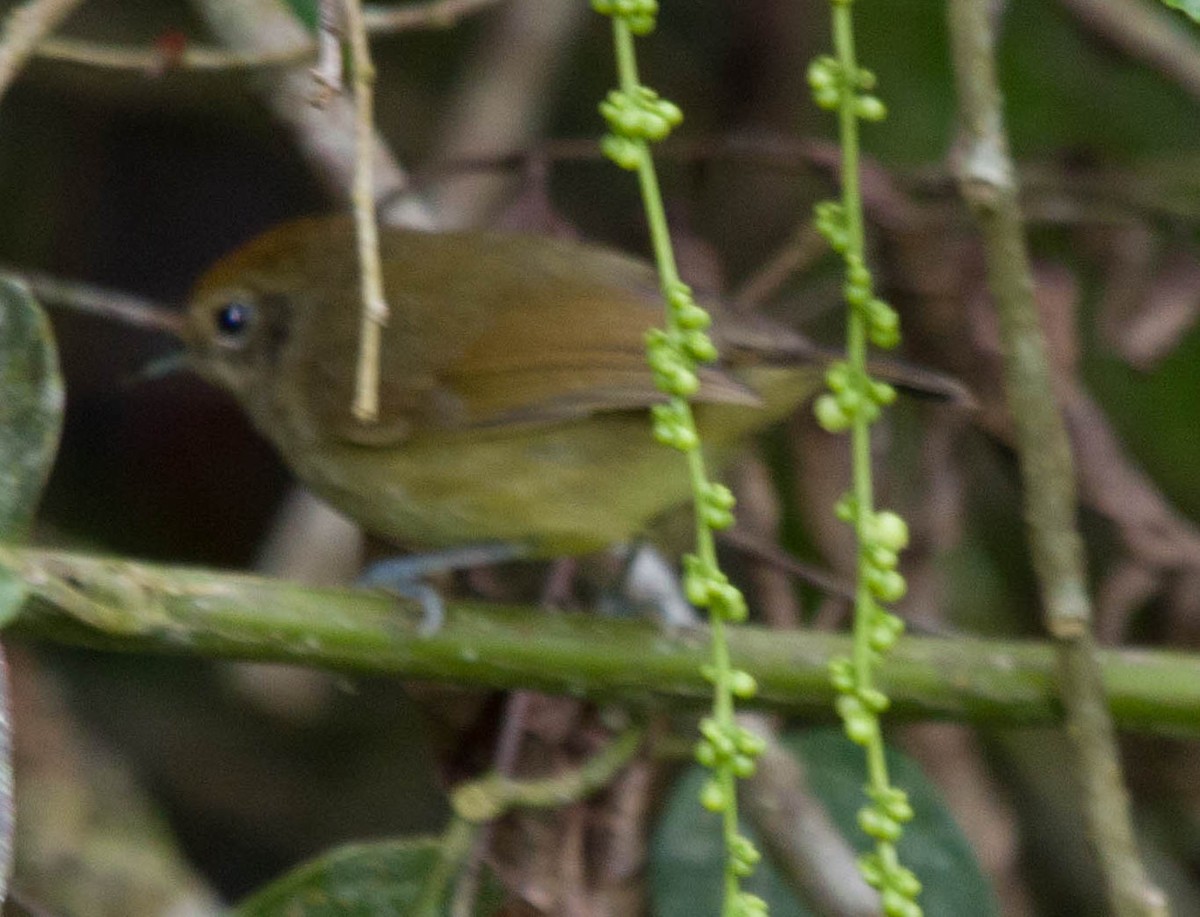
(743, 685)
(896, 905)
(874, 700)
(749, 743)
(830, 415)
(857, 295)
(870, 108)
(905, 882)
(882, 393)
(699, 346)
(743, 767)
(861, 730)
(882, 558)
(841, 674)
(871, 869)
(846, 508)
(877, 825)
(887, 585)
(888, 530)
(837, 377)
(712, 797)
(626, 153)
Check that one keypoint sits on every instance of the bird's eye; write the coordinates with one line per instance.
(233, 320)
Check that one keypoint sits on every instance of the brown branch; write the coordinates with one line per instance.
(987, 179)
(25, 26)
(440, 14)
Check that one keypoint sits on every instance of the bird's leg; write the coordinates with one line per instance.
(649, 581)
(405, 575)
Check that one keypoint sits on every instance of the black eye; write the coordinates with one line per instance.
(233, 319)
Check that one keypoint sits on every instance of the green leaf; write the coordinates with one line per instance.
(1190, 7)
(356, 880)
(686, 855)
(31, 407)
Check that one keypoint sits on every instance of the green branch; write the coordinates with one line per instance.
(124, 606)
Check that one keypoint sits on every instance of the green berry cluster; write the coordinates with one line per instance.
(639, 15)
(749, 905)
(898, 886)
(883, 323)
(853, 402)
(852, 394)
(674, 354)
(733, 747)
(828, 80)
(636, 117)
(707, 587)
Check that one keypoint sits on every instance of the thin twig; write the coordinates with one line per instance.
(987, 178)
(374, 306)
(82, 297)
(25, 26)
(387, 20)
(328, 69)
(157, 61)
(436, 14)
(770, 553)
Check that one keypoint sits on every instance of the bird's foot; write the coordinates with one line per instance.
(405, 575)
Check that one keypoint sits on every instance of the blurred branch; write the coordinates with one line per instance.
(436, 14)
(86, 823)
(125, 606)
(325, 136)
(156, 60)
(82, 297)
(23, 29)
(1146, 32)
(501, 100)
(987, 179)
(383, 20)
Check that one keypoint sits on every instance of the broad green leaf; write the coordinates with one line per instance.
(1190, 7)
(357, 880)
(686, 854)
(31, 406)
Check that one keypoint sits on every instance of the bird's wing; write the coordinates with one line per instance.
(562, 339)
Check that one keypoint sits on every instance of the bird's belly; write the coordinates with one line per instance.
(562, 489)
